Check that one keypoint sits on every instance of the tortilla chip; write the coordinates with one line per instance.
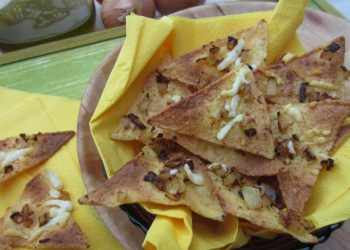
(132, 184)
(266, 216)
(323, 68)
(245, 163)
(156, 95)
(279, 84)
(203, 115)
(343, 135)
(199, 67)
(32, 150)
(32, 222)
(305, 134)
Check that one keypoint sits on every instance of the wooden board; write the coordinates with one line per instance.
(317, 28)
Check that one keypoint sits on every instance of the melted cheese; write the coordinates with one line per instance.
(254, 67)
(225, 129)
(193, 177)
(54, 193)
(291, 148)
(215, 164)
(54, 179)
(232, 55)
(322, 85)
(14, 155)
(293, 112)
(240, 78)
(234, 106)
(173, 171)
(287, 57)
(63, 204)
(175, 98)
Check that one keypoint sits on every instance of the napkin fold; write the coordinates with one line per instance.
(147, 40)
(31, 113)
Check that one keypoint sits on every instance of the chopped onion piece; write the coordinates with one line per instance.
(251, 196)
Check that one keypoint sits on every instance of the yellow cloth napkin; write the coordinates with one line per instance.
(146, 42)
(30, 113)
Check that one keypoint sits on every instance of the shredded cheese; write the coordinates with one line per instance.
(234, 106)
(293, 112)
(240, 78)
(231, 56)
(54, 179)
(287, 57)
(215, 164)
(193, 177)
(173, 171)
(291, 148)
(12, 156)
(176, 98)
(54, 193)
(322, 85)
(225, 129)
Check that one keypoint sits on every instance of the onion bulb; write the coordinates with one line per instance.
(166, 7)
(114, 12)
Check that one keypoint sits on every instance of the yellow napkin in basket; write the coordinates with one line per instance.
(146, 41)
(30, 113)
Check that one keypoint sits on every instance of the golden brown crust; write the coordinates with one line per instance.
(193, 116)
(22, 224)
(312, 138)
(42, 146)
(245, 163)
(342, 136)
(128, 185)
(198, 68)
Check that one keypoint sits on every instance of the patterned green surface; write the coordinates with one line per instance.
(64, 73)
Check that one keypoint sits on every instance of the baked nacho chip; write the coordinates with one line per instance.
(18, 154)
(164, 175)
(157, 93)
(42, 218)
(255, 201)
(210, 62)
(230, 112)
(245, 163)
(305, 134)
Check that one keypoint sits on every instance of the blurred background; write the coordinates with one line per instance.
(25, 23)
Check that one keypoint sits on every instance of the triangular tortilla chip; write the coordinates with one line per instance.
(245, 163)
(156, 95)
(342, 136)
(42, 218)
(200, 67)
(160, 179)
(305, 134)
(322, 68)
(206, 115)
(254, 201)
(18, 154)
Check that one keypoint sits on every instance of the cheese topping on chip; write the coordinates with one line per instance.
(293, 112)
(175, 98)
(240, 78)
(225, 129)
(55, 181)
(232, 55)
(195, 178)
(291, 148)
(287, 57)
(12, 156)
(322, 85)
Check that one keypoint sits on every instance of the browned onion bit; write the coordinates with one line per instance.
(328, 164)
(44, 240)
(44, 219)
(303, 92)
(150, 177)
(8, 169)
(17, 217)
(308, 155)
(250, 132)
(281, 149)
(202, 59)
(333, 47)
(231, 42)
(295, 137)
(135, 119)
(289, 218)
(214, 49)
(23, 136)
(162, 155)
(161, 79)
